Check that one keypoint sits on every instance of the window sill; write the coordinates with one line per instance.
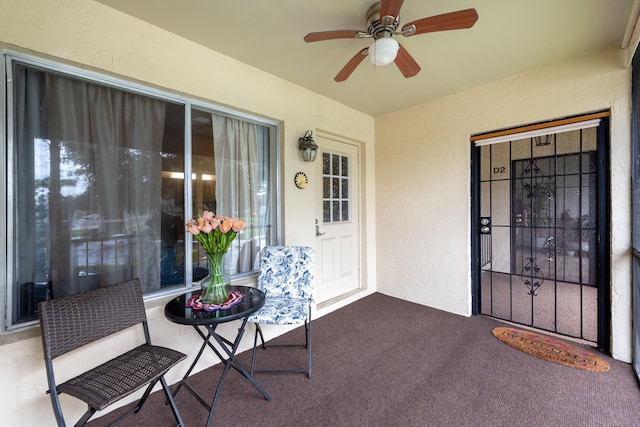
(25, 333)
(33, 330)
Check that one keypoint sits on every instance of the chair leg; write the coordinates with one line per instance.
(85, 417)
(172, 402)
(308, 338)
(53, 394)
(259, 330)
(137, 407)
(255, 344)
(307, 345)
(144, 397)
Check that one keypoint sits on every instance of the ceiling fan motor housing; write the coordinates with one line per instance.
(378, 26)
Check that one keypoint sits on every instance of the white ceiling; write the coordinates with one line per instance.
(510, 36)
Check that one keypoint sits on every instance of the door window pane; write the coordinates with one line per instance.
(336, 206)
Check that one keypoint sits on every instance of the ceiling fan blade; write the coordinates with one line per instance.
(405, 62)
(332, 35)
(448, 21)
(390, 9)
(351, 65)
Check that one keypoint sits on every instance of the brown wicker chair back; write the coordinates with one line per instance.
(74, 321)
(71, 322)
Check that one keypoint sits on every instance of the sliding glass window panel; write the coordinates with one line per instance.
(88, 194)
(231, 159)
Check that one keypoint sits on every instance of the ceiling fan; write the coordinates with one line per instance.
(382, 20)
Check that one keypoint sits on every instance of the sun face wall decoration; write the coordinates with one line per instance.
(301, 180)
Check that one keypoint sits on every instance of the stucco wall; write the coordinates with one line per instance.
(423, 176)
(86, 33)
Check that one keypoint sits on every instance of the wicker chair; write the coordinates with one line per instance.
(286, 278)
(71, 322)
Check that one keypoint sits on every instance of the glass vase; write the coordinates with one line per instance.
(215, 286)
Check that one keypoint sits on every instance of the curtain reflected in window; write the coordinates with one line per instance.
(88, 196)
(230, 177)
(97, 191)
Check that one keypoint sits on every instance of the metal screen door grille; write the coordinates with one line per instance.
(538, 245)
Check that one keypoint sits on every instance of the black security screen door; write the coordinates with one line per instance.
(537, 232)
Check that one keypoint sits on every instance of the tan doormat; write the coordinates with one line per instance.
(548, 348)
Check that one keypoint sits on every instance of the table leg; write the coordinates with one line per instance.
(202, 347)
(236, 364)
(229, 362)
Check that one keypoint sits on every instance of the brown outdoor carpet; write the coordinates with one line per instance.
(551, 349)
(383, 361)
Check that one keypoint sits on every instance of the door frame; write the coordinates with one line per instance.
(359, 166)
(603, 223)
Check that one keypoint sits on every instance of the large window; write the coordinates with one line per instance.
(102, 176)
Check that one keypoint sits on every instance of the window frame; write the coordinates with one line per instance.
(7, 148)
(635, 215)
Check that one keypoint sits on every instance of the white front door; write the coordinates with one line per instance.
(338, 218)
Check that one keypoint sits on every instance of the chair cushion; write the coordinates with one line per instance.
(121, 376)
(280, 311)
(287, 272)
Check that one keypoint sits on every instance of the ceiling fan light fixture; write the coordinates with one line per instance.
(382, 20)
(383, 51)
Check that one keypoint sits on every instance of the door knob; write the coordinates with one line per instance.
(318, 233)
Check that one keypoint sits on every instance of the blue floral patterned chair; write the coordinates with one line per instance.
(286, 277)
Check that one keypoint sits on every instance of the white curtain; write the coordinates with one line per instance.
(103, 186)
(239, 150)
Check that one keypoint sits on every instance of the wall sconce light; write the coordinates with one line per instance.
(543, 140)
(308, 148)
